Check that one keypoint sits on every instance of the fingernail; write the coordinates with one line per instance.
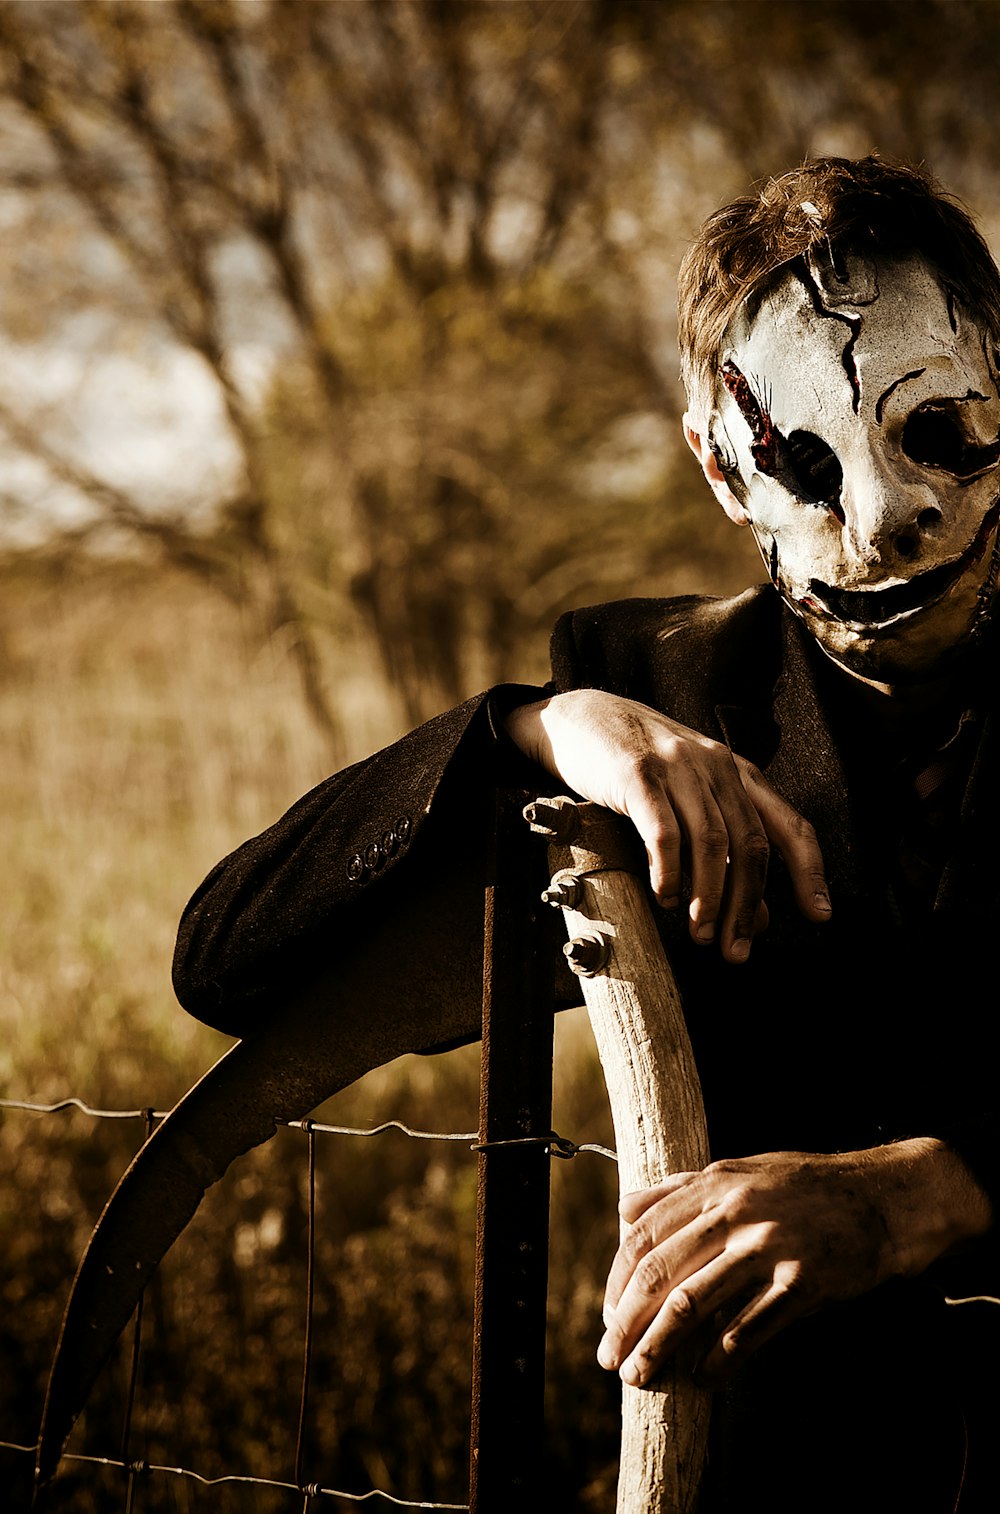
(822, 902)
(740, 951)
(705, 932)
(630, 1374)
(607, 1355)
(670, 903)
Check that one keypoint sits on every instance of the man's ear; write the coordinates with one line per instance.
(713, 473)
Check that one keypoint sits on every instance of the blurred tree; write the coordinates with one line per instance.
(308, 150)
(452, 227)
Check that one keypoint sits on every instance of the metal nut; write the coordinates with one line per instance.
(556, 818)
(587, 955)
(564, 891)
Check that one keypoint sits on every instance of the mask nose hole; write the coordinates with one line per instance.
(908, 541)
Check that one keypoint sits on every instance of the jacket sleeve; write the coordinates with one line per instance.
(396, 838)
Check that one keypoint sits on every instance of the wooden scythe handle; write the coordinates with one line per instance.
(655, 1097)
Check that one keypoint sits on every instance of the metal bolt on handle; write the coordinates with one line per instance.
(565, 890)
(556, 818)
(587, 955)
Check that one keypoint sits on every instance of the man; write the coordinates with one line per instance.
(839, 336)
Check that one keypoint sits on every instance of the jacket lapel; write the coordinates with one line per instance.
(805, 767)
(970, 882)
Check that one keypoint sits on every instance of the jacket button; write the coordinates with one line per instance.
(402, 829)
(355, 868)
(373, 856)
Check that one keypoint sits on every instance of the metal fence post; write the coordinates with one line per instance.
(508, 1365)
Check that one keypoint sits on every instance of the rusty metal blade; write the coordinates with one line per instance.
(281, 1074)
(232, 1109)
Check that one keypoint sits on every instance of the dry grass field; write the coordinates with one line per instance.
(146, 730)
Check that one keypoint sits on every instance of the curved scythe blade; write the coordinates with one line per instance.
(394, 996)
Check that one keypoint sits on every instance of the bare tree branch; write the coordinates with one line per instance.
(78, 172)
(171, 533)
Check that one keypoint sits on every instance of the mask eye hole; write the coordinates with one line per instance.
(815, 466)
(935, 437)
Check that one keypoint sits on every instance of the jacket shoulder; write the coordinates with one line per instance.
(685, 655)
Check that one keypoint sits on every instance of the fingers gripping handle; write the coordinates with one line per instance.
(598, 867)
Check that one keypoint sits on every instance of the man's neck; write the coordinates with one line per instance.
(913, 697)
(908, 712)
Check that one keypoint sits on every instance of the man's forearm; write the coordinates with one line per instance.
(931, 1202)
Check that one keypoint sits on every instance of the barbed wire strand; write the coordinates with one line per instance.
(557, 1145)
(561, 1146)
(311, 1490)
(74, 1103)
(374, 1130)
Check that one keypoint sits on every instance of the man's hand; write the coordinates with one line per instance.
(751, 1244)
(689, 798)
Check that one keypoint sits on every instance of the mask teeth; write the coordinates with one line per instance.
(874, 606)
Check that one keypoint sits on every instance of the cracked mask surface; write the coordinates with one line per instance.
(857, 421)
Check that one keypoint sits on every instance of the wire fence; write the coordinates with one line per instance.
(135, 1470)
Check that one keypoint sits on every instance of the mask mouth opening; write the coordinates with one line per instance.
(873, 607)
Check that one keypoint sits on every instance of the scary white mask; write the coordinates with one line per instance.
(857, 421)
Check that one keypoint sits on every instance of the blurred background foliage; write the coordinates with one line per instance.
(338, 359)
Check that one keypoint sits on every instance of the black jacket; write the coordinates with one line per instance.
(874, 1026)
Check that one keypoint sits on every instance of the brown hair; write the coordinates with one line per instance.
(865, 204)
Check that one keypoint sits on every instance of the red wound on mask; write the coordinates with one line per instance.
(765, 437)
